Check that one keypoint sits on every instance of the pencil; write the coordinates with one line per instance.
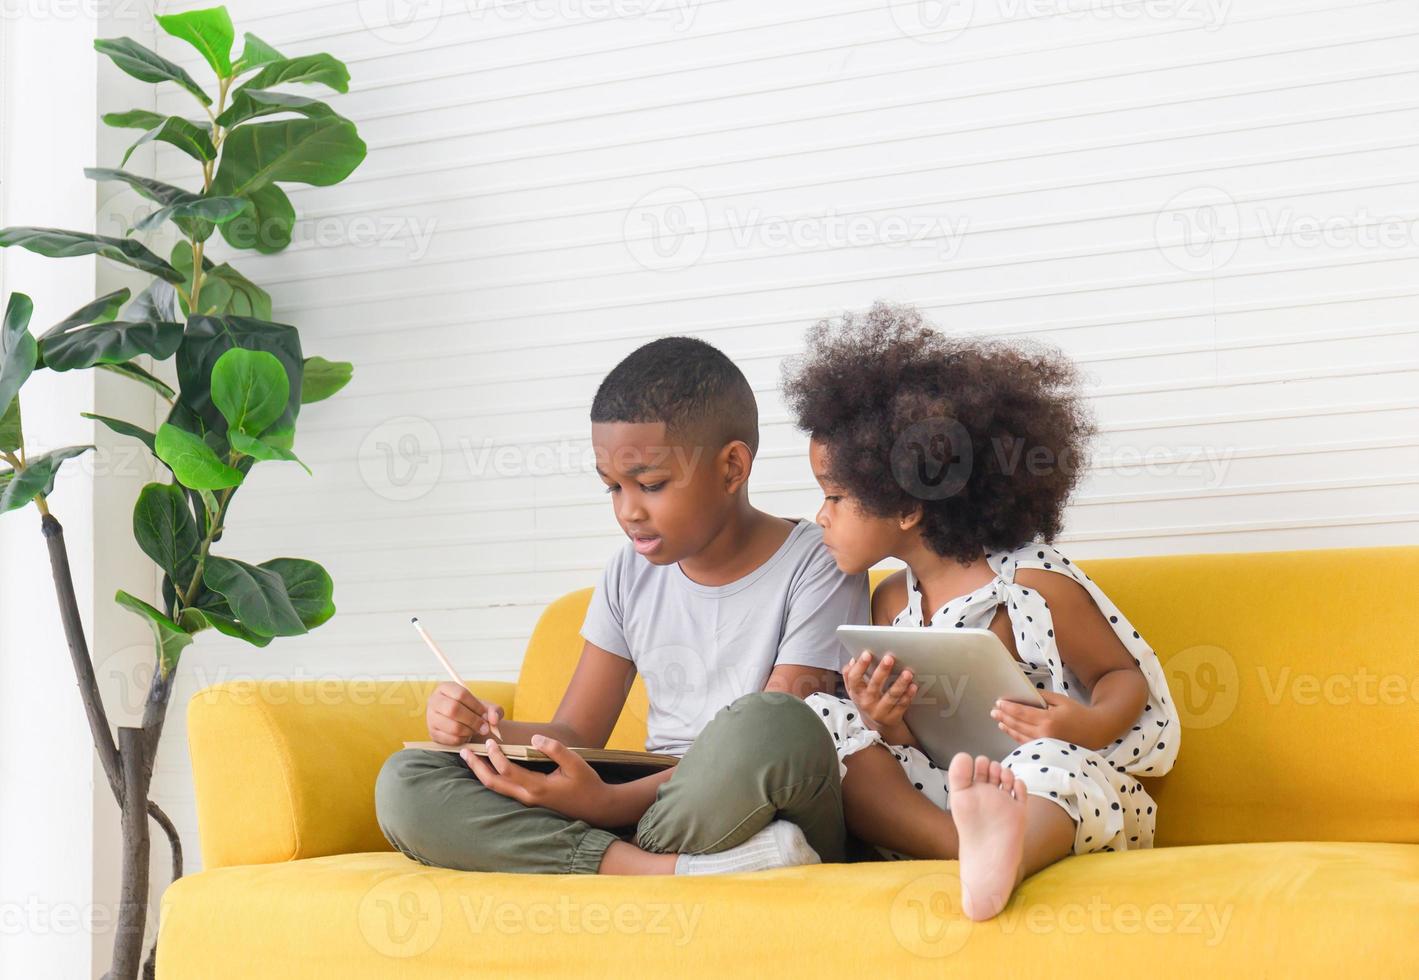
(448, 666)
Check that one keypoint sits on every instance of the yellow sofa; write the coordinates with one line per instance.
(1288, 831)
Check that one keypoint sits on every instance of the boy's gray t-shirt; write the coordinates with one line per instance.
(701, 647)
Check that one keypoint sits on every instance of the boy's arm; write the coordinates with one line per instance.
(801, 681)
(589, 708)
(588, 711)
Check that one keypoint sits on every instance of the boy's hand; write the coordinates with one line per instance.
(881, 706)
(1062, 718)
(573, 789)
(455, 716)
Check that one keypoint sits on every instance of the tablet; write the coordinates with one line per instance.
(959, 674)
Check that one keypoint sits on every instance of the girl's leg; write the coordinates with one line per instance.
(1005, 834)
(883, 808)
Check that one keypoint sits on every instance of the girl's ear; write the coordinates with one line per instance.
(736, 463)
(911, 518)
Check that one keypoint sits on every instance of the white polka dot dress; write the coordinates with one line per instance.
(1098, 789)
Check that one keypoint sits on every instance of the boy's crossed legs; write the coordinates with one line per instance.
(762, 758)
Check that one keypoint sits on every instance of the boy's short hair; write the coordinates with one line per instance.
(987, 436)
(691, 386)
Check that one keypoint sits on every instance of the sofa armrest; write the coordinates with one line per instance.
(285, 769)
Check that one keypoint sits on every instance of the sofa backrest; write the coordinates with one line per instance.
(1296, 676)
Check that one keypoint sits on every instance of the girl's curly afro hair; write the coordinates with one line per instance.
(988, 437)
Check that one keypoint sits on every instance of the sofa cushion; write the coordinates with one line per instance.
(1283, 909)
(1288, 669)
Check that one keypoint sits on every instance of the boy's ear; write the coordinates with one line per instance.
(736, 462)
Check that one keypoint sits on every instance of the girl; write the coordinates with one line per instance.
(956, 456)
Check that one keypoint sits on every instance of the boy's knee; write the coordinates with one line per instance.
(771, 722)
(397, 803)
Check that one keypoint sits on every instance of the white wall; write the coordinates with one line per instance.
(550, 184)
(59, 824)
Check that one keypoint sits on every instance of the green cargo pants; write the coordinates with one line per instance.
(764, 757)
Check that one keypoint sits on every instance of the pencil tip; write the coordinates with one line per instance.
(413, 619)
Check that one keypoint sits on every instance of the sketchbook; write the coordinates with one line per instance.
(621, 759)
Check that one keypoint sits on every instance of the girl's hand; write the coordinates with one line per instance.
(1062, 718)
(881, 706)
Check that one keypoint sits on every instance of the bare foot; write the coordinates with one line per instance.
(988, 806)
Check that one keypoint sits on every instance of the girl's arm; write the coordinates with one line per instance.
(880, 712)
(1090, 648)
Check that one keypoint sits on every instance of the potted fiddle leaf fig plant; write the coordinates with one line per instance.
(241, 380)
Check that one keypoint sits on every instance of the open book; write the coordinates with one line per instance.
(619, 761)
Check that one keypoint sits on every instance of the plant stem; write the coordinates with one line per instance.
(133, 900)
(216, 529)
(175, 845)
(79, 653)
(218, 133)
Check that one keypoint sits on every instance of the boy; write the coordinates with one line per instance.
(730, 615)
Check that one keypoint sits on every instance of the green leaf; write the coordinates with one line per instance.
(208, 337)
(125, 429)
(311, 69)
(19, 351)
(263, 449)
(136, 373)
(192, 461)
(209, 31)
(189, 211)
(10, 430)
(309, 587)
(266, 224)
(249, 103)
(211, 209)
(309, 151)
(164, 528)
(197, 618)
(255, 53)
(322, 378)
(36, 478)
(257, 596)
(210, 508)
(157, 301)
(133, 119)
(250, 389)
(101, 310)
(245, 298)
(191, 139)
(171, 638)
(153, 190)
(224, 289)
(147, 65)
(110, 343)
(57, 243)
